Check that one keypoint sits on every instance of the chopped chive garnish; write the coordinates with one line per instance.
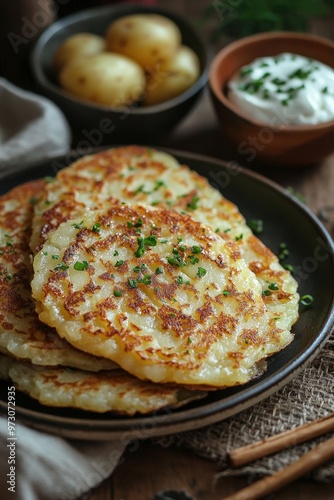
(116, 253)
(193, 204)
(78, 225)
(179, 280)
(55, 257)
(289, 267)
(147, 279)
(119, 263)
(141, 247)
(273, 286)
(81, 266)
(158, 184)
(61, 267)
(246, 71)
(226, 293)
(266, 94)
(150, 241)
(301, 74)
(96, 227)
(266, 293)
(195, 249)
(159, 270)
(193, 259)
(307, 300)
(117, 293)
(175, 261)
(278, 81)
(201, 272)
(132, 283)
(237, 238)
(252, 87)
(298, 195)
(139, 189)
(256, 225)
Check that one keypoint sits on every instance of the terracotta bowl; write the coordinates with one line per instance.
(253, 141)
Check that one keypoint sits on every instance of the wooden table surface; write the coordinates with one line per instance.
(151, 468)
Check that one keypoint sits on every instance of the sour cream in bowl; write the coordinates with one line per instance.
(297, 87)
(273, 94)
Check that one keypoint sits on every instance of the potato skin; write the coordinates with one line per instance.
(81, 44)
(149, 39)
(173, 78)
(106, 78)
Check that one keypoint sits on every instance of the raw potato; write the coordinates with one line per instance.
(174, 78)
(149, 39)
(106, 78)
(81, 44)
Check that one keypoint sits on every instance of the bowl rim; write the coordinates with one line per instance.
(216, 90)
(82, 15)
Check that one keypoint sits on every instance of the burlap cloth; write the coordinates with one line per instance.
(306, 398)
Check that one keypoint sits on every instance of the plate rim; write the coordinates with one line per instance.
(186, 419)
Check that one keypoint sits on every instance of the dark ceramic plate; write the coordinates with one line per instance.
(286, 220)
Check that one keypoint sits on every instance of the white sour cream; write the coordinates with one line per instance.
(285, 89)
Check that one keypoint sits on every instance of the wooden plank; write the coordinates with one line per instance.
(151, 469)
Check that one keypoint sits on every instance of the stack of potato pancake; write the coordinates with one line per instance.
(128, 284)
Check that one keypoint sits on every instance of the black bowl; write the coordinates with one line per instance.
(101, 124)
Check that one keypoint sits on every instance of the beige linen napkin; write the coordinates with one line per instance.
(47, 467)
(32, 128)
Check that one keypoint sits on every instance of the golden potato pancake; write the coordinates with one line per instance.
(158, 293)
(107, 391)
(21, 333)
(136, 173)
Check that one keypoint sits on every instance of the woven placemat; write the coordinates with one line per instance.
(308, 397)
